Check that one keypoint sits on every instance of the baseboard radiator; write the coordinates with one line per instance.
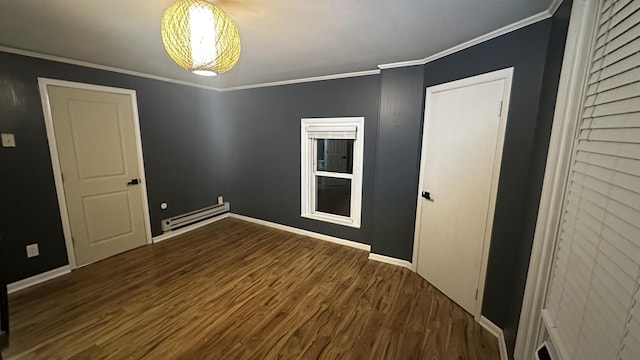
(176, 222)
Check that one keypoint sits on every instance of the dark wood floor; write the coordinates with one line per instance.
(236, 290)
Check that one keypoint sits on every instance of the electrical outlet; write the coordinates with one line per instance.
(32, 250)
(220, 200)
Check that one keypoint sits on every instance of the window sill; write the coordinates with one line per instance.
(334, 219)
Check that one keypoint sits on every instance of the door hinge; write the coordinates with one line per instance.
(476, 293)
(62, 176)
(500, 112)
(73, 242)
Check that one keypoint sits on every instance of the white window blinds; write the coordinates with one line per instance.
(593, 301)
(339, 131)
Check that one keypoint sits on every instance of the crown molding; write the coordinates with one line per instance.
(480, 39)
(60, 59)
(554, 7)
(303, 80)
(411, 62)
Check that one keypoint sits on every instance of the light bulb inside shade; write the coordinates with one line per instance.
(203, 36)
(204, 72)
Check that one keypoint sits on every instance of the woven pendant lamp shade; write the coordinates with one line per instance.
(200, 37)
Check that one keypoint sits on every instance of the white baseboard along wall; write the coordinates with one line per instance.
(497, 332)
(37, 279)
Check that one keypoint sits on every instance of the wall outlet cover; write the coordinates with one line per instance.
(220, 200)
(8, 140)
(32, 250)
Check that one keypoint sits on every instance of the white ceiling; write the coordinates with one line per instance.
(281, 39)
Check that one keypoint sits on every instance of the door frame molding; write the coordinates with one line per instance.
(55, 159)
(503, 74)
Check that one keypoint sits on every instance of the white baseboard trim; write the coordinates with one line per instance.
(332, 239)
(186, 229)
(497, 332)
(37, 279)
(390, 260)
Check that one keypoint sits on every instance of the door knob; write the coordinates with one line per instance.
(133, 182)
(427, 195)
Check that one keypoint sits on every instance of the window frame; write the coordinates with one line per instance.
(309, 172)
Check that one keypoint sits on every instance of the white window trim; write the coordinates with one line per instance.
(308, 171)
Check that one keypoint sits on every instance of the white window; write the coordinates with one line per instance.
(331, 172)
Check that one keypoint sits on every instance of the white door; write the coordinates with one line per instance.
(97, 149)
(462, 146)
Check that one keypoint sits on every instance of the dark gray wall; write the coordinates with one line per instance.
(524, 155)
(177, 124)
(262, 148)
(398, 161)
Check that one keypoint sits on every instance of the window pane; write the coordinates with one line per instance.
(333, 195)
(335, 155)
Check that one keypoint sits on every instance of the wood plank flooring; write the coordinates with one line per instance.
(236, 290)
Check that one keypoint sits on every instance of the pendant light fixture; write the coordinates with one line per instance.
(200, 37)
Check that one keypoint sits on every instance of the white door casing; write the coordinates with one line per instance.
(94, 137)
(463, 137)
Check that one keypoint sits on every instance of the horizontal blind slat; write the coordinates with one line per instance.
(567, 333)
(331, 132)
(618, 290)
(629, 247)
(624, 92)
(623, 66)
(621, 261)
(619, 5)
(625, 213)
(626, 181)
(626, 150)
(606, 4)
(612, 316)
(600, 347)
(594, 177)
(624, 45)
(622, 227)
(622, 10)
(615, 121)
(615, 135)
(614, 81)
(610, 299)
(609, 163)
(617, 107)
(625, 197)
(621, 48)
(621, 26)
